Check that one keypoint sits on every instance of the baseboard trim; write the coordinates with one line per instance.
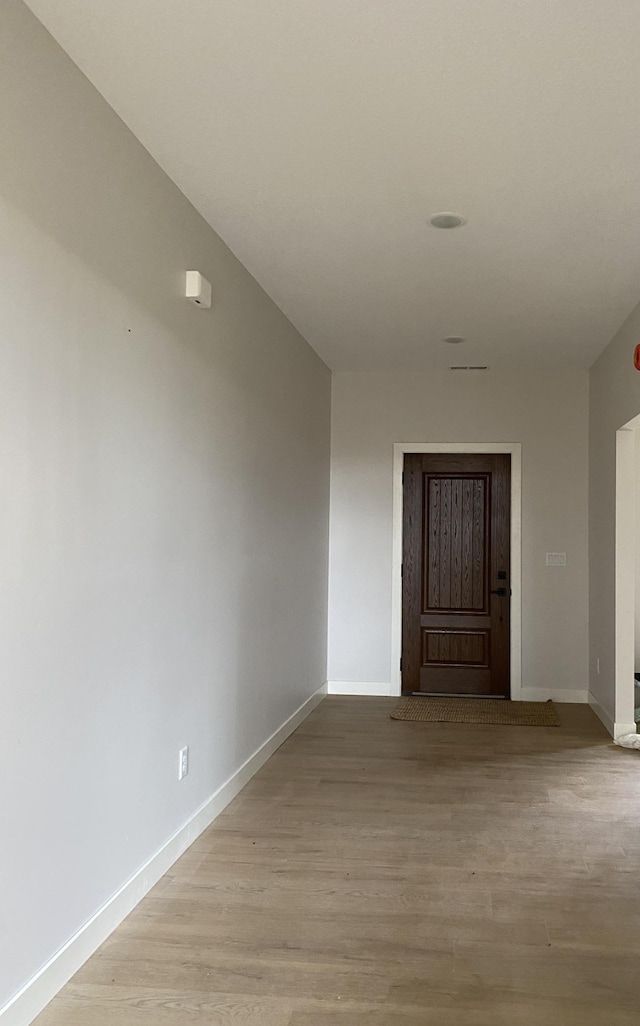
(30, 1000)
(604, 716)
(383, 689)
(358, 687)
(573, 695)
(620, 729)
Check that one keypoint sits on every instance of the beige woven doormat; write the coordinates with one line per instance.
(476, 710)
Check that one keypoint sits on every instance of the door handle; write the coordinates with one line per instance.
(499, 591)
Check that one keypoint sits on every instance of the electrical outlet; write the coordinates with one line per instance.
(183, 763)
(598, 664)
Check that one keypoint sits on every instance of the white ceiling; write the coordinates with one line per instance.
(317, 136)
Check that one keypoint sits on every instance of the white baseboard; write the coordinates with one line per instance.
(357, 687)
(620, 729)
(381, 689)
(615, 729)
(24, 1006)
(574, 695)
(602, 714)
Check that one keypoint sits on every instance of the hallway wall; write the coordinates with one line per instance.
(614, 401)
(637, 556)
(547, 413)
(164, 516)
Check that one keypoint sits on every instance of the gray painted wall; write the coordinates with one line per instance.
(547, 413)
(165, 505)
(614, 401)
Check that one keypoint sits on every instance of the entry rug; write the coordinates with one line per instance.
(476, 710)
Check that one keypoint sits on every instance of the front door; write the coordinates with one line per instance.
(455, 574)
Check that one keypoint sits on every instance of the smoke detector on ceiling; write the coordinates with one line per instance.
(447, 219)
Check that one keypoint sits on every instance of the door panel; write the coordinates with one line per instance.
(455, 557)
(456, 527)
(451, 646)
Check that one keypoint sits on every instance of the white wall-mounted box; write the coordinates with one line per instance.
(556, 559)
(198, 289)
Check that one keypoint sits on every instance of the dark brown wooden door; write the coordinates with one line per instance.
(455, 574)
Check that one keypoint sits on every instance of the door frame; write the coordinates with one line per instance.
(514, 449)
(625, 571)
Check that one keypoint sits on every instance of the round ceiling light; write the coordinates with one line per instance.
(447, 220)
(454, 340)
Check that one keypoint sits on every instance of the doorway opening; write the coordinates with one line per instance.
(514, 450)
(627, 599)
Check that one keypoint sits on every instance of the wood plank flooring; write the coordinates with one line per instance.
(381, 873)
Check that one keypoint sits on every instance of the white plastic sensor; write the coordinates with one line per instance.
(198, 289)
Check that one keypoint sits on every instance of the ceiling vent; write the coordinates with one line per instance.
(478, 367)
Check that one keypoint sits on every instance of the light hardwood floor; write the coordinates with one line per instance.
(380, 873)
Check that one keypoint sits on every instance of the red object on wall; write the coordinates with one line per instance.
(636, 358)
